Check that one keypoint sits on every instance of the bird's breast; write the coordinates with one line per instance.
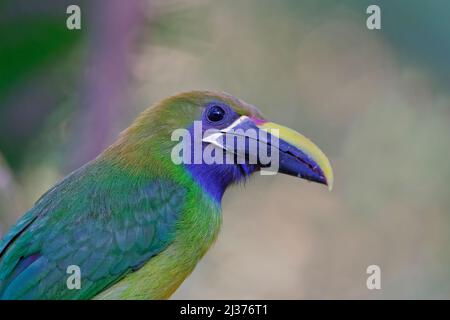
(196, 230)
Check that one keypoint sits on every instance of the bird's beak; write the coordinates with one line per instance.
(295, 154)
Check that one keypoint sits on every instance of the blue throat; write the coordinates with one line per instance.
(215, 178)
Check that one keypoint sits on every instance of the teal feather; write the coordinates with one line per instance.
(126, 230)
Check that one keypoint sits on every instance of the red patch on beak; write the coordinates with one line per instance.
(258, 121)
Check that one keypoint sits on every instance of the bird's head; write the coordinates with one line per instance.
(220, 140)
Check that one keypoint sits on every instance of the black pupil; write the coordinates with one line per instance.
(216, 113)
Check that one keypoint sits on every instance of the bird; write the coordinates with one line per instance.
(134, 221)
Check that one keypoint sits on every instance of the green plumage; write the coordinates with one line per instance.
(105, 236)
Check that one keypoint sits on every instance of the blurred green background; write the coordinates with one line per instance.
(376, 101)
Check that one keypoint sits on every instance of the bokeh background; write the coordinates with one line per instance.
(377, 102)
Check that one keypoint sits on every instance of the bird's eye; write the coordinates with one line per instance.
(215, 113)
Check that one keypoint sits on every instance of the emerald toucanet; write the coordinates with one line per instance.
(132, 220)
